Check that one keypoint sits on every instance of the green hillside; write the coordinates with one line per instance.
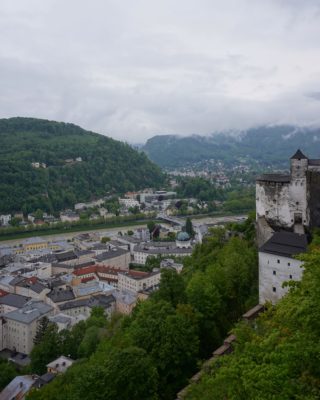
(107, 165)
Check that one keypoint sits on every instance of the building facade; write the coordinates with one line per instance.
(277, 264)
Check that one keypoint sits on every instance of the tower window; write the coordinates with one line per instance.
(289, 264)
(278, 261)
(274, 289)
(297, 203)
(274, 272)
(290, 276)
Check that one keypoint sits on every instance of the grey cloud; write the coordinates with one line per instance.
(132, 70)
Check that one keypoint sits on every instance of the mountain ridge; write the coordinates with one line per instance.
(269, 144)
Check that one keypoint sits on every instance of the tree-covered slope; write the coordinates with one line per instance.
(278, 357)
(107, 165)
(266, 144)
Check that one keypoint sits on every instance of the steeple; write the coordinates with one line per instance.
(299, 155)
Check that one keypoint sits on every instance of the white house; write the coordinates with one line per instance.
(5, 219)
(278, 265)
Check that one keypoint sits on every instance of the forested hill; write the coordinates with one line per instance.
(270, 145)
(107, 165)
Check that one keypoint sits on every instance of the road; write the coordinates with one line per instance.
(70, 235)
(114, 231)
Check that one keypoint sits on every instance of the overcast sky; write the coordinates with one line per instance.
(135, 68)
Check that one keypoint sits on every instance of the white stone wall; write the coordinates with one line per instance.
(126, 282)
(140, 257)
(298, 200)
(273, 271)
(272, 202)
(19, 335)
(281, 203)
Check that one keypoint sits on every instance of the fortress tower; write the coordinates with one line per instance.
(289, 202)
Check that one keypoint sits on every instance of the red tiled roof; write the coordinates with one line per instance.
(85, 270)
(87, 279)
(138, 274)
(93, 269)
(109, 270)
(32, 280)
(3, 293)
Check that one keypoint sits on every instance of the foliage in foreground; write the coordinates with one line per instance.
(152, 353)
(279, 357)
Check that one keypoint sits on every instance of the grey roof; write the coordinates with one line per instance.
(162, 250)
(286, 244)
(279, 178)
(14, 300)
(37, 287)
(58, 295)
(46, 258)
(30, 312)
(80, 253)
(17, 280)
(61, 318)
(107, 255)
(33, 240)
(101, 300)
(64, 256)
(73, 304)
(61, 265)
(17, 388)
(314, 162)
(298, 155)
(99, 246)
(44, 379)
(126, 297)
(56, 282)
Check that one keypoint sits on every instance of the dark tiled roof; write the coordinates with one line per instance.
(298, 155)
(279, 178)
(61, 265)
(314, 162)
(80, 253)
(14, 300)
(107, 255)
(65, 256)
(16, 280)
(33, 284)
(58, 295)
(44, 380)
(285, 244)
(101, 300)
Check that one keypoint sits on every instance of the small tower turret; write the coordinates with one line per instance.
(299, 165)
